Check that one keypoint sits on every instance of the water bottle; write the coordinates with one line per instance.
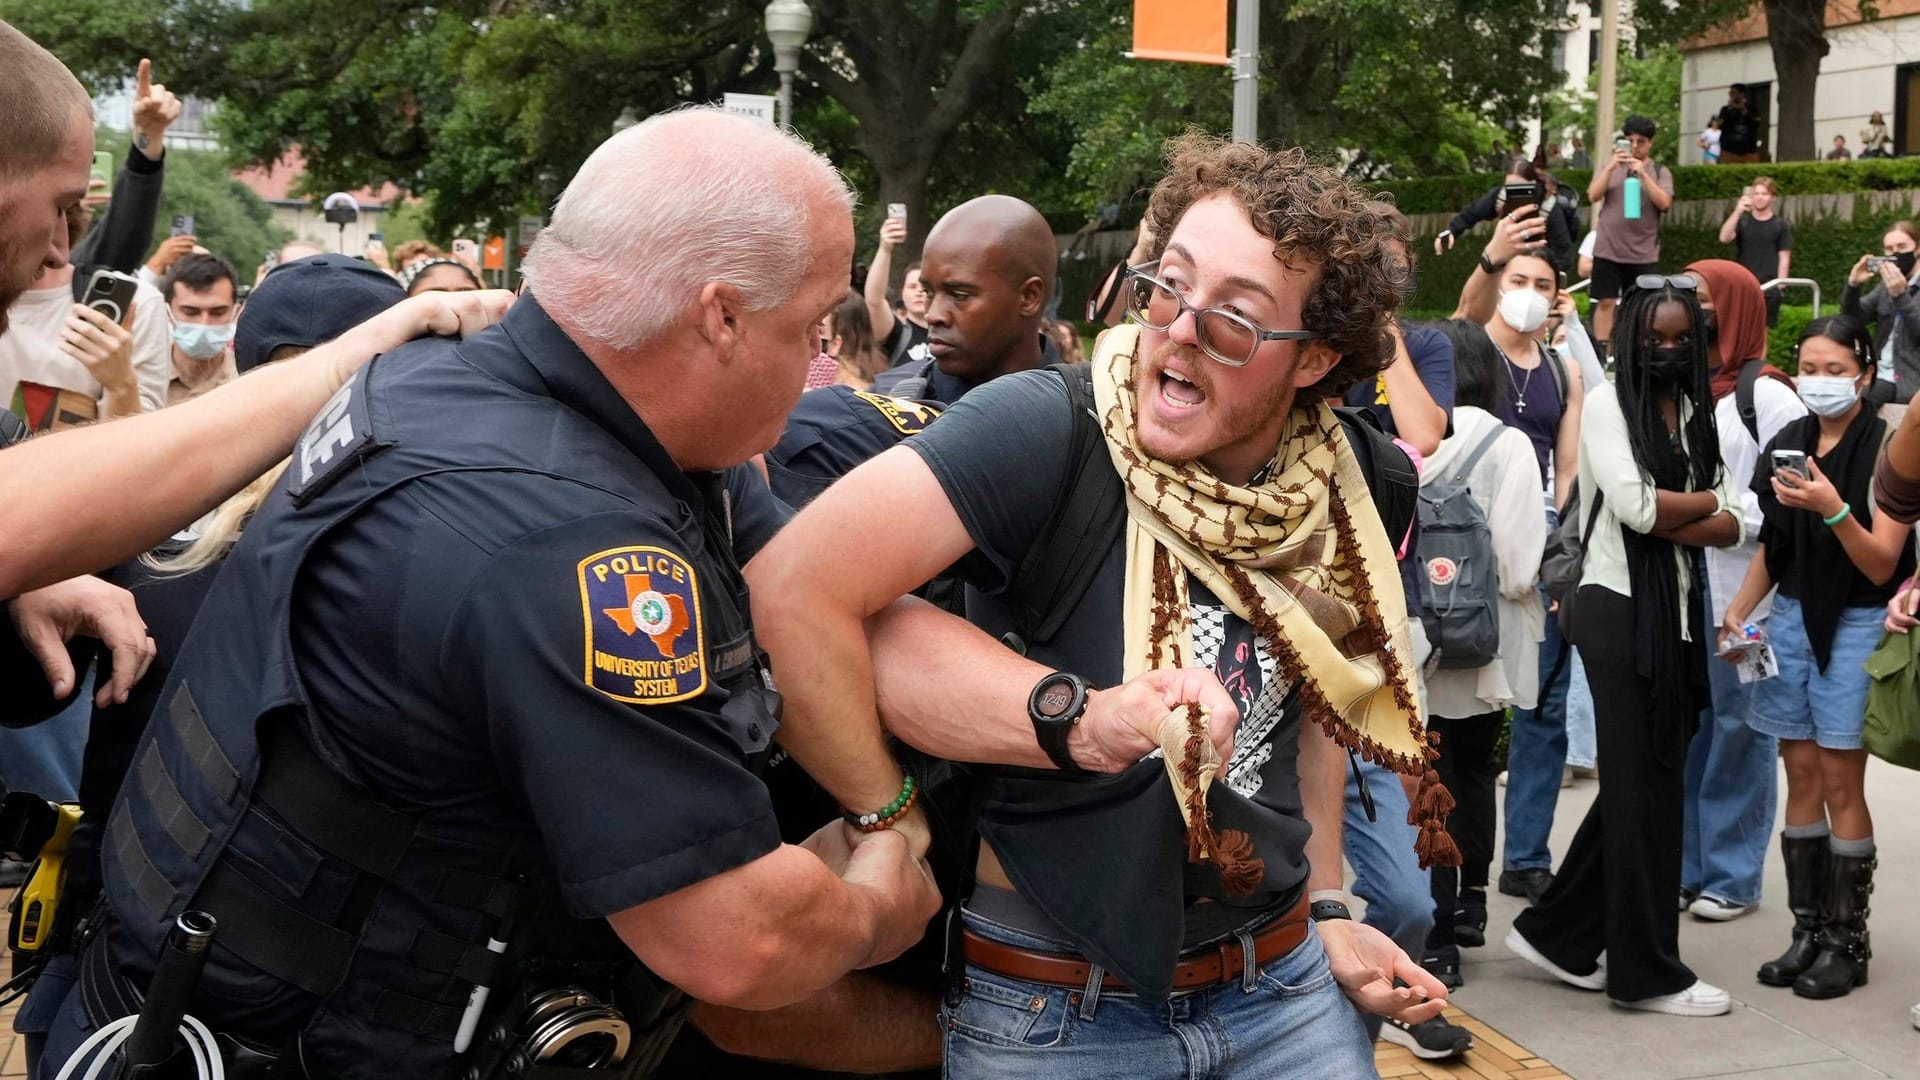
(1630, 199)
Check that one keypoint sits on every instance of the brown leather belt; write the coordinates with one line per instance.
(1219, 965)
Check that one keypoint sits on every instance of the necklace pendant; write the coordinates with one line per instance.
(1520, 406)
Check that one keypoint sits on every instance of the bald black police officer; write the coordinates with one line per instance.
(476, 702)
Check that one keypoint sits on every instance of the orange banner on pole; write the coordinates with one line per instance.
(1194, 31)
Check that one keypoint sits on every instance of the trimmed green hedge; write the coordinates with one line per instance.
(1447, 194)
(1824, 250)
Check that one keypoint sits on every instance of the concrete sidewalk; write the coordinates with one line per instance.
(1771, 1034)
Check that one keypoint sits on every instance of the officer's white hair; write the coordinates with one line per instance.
(679, 200)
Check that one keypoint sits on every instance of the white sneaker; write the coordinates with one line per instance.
(1700, 999)
(1714, 909)
(1524, 949)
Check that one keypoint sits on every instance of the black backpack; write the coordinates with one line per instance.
(1067, 552)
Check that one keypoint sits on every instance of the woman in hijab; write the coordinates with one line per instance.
(1730, 789)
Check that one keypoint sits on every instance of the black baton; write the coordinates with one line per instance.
(181, 960)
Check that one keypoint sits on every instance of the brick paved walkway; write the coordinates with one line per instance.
(1493, 1057)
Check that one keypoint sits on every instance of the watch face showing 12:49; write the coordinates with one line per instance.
(1056, 697)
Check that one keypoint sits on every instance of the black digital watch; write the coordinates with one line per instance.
(1056, 704)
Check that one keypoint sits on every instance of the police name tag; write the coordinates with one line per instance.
(340, 437)
(641, 609)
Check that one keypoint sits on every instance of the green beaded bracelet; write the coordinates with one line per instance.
(879, 818)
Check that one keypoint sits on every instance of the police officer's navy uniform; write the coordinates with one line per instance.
(480, 668)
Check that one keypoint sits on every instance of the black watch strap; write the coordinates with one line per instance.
(1322, 910)
(1056, 704)
(1489, 265)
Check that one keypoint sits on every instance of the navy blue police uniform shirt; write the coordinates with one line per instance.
(1432, 356)
(832, 431)
(496, 611)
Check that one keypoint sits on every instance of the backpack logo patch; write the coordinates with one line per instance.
(1442, 571)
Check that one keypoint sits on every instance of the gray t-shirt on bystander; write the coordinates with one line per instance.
(1625, 240)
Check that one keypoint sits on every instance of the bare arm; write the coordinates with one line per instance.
(1520, 230)
(879, 275)
(1753, 588)
(1717, 530)
(1785, 268)
(788, 924)
(1597, 187)
(1323, 797)
(1730, 228)
(1420, 420)
(860, 1024)
(1660, 197)
(1678, 508)
(132, 483)
(805, 606)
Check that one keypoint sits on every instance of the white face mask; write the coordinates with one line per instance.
(1523, 309)
(1827, 395)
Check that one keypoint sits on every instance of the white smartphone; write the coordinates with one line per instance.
(897, 210)
(1792, 461)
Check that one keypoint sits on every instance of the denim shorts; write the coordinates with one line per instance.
(1291, 1019)
(1803, 702)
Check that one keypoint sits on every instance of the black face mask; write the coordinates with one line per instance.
(1905, 261)
(1670, 364)
(1710, 325)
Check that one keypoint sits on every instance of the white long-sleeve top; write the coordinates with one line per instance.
(1607, 465)
(1775, 405)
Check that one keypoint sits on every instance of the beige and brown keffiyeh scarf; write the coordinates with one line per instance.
(1296, 557)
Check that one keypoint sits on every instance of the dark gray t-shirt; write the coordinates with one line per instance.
(1003, 455)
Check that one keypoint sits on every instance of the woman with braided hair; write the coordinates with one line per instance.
(1652, 494)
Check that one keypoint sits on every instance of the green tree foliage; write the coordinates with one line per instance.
(1647, 85)
(228, 218)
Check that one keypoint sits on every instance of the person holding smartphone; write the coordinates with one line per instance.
(1880, 291)
(1629, 235)
(1837, 561)
(1524, 183)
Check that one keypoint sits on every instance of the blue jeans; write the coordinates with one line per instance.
(1386, 872)
(1536, 757)
(1288, 1018)
(1583, 745)
(44, 759)
(1730, 792)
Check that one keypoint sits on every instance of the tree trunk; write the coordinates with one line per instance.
(1797, 33)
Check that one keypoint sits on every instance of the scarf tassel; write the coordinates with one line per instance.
(1230, 851)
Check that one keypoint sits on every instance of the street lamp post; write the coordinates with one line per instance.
(788, 23)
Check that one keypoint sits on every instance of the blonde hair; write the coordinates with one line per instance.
(220, 530)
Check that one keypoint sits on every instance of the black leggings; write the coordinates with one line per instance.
(1467, 767)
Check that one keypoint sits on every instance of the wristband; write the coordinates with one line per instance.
(885, 817)
(1846, 509)
(1489, 265)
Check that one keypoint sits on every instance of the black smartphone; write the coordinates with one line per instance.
(182, 225)
(110, 293)
(374, 238)
(1520, 194)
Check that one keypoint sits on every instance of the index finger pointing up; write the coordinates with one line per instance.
(143, 82)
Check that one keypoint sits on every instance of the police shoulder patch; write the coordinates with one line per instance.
(641, 610)
(907, 417)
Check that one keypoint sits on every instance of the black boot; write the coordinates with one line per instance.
(1842, 963)
(1806, 858)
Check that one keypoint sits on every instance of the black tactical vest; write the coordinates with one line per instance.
(352, 930)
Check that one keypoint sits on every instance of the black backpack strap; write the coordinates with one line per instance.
(914, 386)
(1743, 396)
(1391, 477)
(1067, 552)
(1558, 370)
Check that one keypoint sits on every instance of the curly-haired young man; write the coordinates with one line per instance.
(1145, 881)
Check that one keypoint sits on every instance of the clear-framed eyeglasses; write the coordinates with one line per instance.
(1229, 338)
